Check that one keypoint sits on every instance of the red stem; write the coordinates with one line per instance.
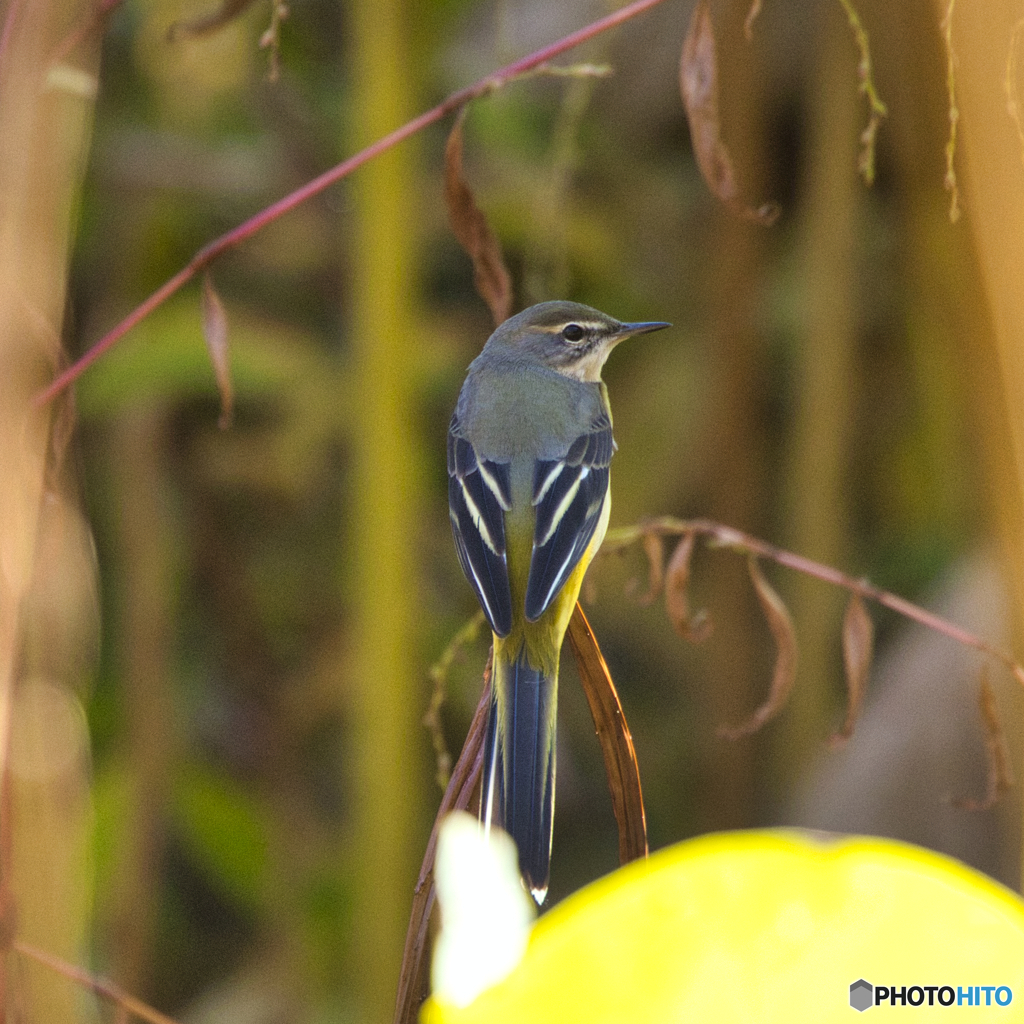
(728, 536)
(128, 1003)
(210, 252)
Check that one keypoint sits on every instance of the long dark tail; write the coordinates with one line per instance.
(518, 791)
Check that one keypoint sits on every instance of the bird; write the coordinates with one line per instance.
(529, 449)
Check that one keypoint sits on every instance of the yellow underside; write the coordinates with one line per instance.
(542, 640)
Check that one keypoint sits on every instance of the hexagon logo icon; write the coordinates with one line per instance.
(861, 995)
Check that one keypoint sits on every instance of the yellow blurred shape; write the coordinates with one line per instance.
(762, 926)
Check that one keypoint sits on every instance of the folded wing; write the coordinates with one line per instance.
(479, 494)
(569, 495)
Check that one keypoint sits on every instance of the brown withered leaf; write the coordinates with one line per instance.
(654, 549)
(694, 628)
(613, 733)
(1000, 776)
(207, 23)
(698, 83)
(414, 979)
(781, 625)
(215, 331)
(858, 650)
(491, 276)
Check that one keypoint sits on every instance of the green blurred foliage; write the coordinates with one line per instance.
(223, 831)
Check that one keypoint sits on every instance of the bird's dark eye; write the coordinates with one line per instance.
(572, 332)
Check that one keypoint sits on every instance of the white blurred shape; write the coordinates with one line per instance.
(486, 915)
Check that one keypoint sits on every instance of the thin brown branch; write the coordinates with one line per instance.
(413, 981)
(247, 229)
(729, 537)
(105, 989)
(620, 762)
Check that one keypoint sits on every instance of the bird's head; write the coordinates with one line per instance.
(568, 337)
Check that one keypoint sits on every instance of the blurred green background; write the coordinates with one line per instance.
(272, 596)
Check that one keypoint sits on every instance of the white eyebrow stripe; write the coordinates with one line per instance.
(587, 325)
(478, 519)
(492, 485)
(566, 501)
(552, 476)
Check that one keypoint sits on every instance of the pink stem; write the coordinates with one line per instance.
(727, 536)
(210, 252)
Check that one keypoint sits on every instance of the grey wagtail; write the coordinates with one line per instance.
(529, 448)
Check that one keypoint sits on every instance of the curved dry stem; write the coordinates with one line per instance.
(724, 536)
(954, 114)
(413, 980)
(438, 674)
(877, 109)
(127, 1003)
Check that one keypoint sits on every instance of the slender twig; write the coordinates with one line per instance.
(729, 537)
(878, 110)
(954, 114)
(312, 188)
(438, 674)
(102, 988)
(413, 979)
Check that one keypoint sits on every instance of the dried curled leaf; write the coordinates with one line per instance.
(215, 331)
(781, 625)
(207, 23)
(858, 649)
(698, 83)
(1000, 776)
(696, 627)
(491, 276)
(654, 549)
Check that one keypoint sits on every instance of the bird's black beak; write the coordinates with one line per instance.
(628, 330)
